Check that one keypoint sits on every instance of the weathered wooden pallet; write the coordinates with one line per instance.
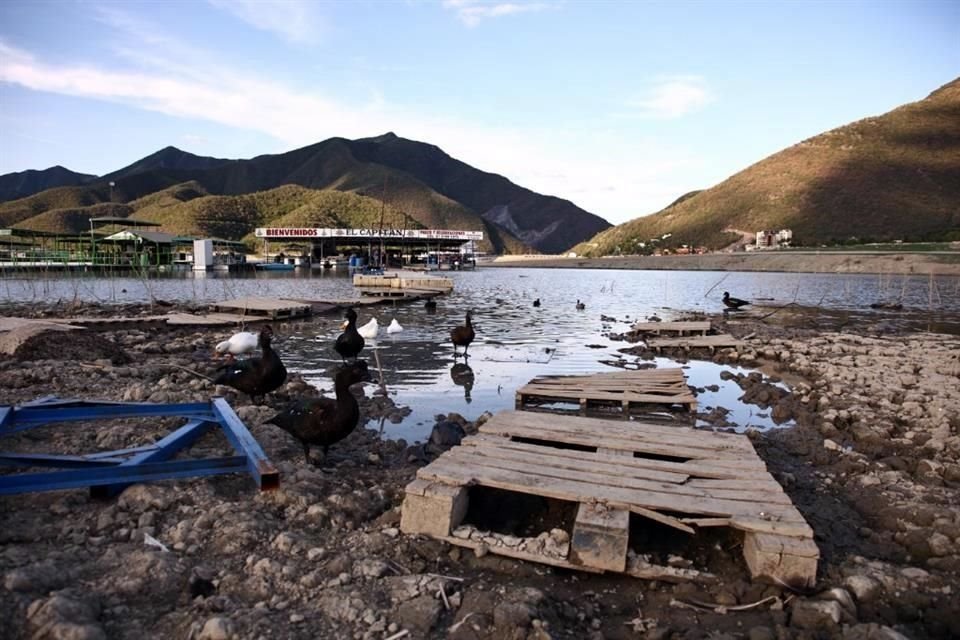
(629, 391)
(681, 477)
(678, 328)
(687, 343)
(274, 308)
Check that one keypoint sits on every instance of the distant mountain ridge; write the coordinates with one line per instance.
(890, 177)
(26, 183)
(422, 181)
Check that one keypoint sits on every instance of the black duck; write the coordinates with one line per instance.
(350, 343)
(255, 376)
(462, 336)
(733, 303)
(325, 421)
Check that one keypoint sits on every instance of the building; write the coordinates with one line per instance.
(774, 239)
(379, 247)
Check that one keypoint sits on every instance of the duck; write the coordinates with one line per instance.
(394, 327)
(350, 343)
(325, 421)
(733, 303)
(536, 302)
(580, 306)
(369, 330)
(238, 344)
(255, 376)
(462, 336)
(430, 305)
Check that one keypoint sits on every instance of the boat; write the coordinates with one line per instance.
(274, 266)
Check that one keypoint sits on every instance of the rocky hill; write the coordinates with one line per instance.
(890, 177)
(420, 180)
(26, 183)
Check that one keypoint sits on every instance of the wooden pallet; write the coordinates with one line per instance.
(630, 391)
(273, 308)
(681, 477)
(678, 328)
(687, 343)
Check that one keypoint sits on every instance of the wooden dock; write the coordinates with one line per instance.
(688, 343)
(629, 392)
(679, 328)
(404, 280)
(680, 477)
(272, 308)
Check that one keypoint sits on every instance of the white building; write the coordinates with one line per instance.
(774, 239)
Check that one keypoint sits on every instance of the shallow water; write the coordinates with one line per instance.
(515, 341)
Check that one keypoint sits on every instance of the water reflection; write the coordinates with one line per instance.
(462, 375)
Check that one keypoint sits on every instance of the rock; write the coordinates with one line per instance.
(371, 568)
(39, 577)
(419, 613)
(761, 633)
(65, 617)
(941, 545)
(864, 588)
(513, 615)
(144, 497)
(217, 628)
(872, 631)
(816, 614)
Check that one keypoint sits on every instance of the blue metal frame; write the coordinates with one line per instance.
(108, 473)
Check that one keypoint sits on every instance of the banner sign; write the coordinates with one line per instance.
(409, 234)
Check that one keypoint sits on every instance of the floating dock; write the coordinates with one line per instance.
(680, 477)
(688, 343)
(404, 280)
(269, 308)
(628, 392)
(679, 328)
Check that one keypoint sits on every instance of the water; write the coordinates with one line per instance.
(515, 341)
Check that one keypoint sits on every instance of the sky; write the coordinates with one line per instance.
(619, 107)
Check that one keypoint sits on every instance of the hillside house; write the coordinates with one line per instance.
(774, 239)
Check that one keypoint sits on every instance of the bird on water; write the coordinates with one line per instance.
(462, 336)
(580, 306)
(536, 302)
(350, 343)
(733, 303)
(325, 421)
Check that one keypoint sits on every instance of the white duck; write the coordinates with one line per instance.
(369, 330)
(239, 343)
(394, 327)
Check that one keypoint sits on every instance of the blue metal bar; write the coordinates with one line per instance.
(146, 472)
(163, 449)
(265, 474)
(102, 411)
(119, 453)
(63, 462)
(6, 415)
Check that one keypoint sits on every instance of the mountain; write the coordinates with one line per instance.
(425, 183)
(890, 177)
(548, 223)
(166, 158)
(26, 183)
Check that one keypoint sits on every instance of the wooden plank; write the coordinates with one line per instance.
(557, 427)
(600, 538)
(531, 392)
(616, 497)
(517, 554)
(679, 326)
(697, 469)
(474, 458)
(695, 342)
(662, 519)
(640, 442)
(538, 455)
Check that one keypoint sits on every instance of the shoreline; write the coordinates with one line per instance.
(871, 464)
(946, 263)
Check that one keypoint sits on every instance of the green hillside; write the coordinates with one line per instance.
(892, 177)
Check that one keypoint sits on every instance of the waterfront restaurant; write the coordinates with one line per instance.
(375, 247)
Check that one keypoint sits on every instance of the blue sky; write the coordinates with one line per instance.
(620, 107)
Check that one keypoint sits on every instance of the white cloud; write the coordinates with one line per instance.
(297, 21)
(672, 97)
(605, 172)
(472, 12)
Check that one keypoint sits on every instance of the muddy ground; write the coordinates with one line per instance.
(871, 464)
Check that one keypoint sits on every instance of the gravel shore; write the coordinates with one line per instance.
(872, 464)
